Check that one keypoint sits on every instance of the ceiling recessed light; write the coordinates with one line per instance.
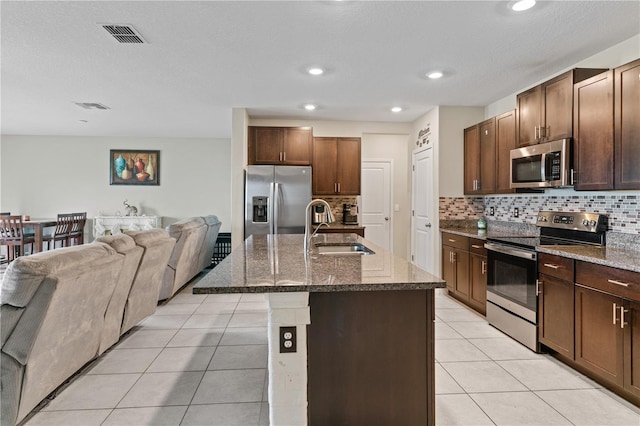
(396, 109)
(521, 5)
(309, 107)
(435, 74)
(316, 71)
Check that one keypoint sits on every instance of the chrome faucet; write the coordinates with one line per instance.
(307, 222)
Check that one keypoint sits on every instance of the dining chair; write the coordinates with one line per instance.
(76, 233)
(60, 233)
(12, 237)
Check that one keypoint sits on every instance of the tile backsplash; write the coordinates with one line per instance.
(623, 209)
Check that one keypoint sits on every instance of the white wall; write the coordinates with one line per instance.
(378, 147)
(45, 175)
(619, 54)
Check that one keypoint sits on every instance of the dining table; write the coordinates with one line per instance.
(38, 226)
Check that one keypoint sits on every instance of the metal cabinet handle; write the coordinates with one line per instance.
(615, 310)
(549, 265)
(451, 240)
(622, 312)
(483, 267)
(476, 246)
(453, 253)
(338, 186)
(618, 283)
(284, 156)
(538, 287)
(535, 133)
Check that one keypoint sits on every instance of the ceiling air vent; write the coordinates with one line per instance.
(91, 105)
(124, 33)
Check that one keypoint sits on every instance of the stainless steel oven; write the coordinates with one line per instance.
(511, 291)
(512, 300)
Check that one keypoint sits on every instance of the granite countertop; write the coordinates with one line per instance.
(623, 258)
(277, 263)
(340, 225)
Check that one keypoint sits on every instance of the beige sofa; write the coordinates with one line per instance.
(54, 311)
(195, 242)
(62, 308)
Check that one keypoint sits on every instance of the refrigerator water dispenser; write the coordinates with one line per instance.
(260, 209)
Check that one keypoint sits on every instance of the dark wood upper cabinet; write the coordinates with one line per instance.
(288, 146)
(627, 126)
(480, 158)
(545, 112)
(593, 133)
(336, 166)
(505, 142)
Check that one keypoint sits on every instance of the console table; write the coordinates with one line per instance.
(112, 225)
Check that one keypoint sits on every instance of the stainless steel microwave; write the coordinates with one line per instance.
(546, 165)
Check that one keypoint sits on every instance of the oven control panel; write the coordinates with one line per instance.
(590, 222)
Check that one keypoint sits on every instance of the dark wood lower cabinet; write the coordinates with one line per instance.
(556, 314)
(632, 348)
(371, 358)
(599, 336)
(478, 280)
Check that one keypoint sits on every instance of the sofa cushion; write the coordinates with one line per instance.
(114, 316)
(145, 290)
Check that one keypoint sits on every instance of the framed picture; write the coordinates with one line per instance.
(134, 167)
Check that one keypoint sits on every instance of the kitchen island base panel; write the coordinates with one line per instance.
(288, 371)
(371, 358)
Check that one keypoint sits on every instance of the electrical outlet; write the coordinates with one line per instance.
(492, 211)
(287, 339)
(516, 212)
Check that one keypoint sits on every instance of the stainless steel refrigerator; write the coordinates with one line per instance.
(275, 199)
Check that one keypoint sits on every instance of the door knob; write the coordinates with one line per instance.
(386, 218)
(427, 225)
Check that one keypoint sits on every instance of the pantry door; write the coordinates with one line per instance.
(422, 218)
(376, 202)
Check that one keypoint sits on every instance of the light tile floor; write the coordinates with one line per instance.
(202, 360)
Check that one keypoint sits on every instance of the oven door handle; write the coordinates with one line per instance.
(525, 254)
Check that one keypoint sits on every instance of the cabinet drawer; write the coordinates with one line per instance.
(618, 282)
(556, 266)
(477, 246)
(457, 241)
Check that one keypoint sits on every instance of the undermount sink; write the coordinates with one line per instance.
(343, 249)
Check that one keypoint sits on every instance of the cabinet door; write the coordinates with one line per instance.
(556, 314)
(599, 338)
(478, 279)
(325, 158)
(471, 160)
(297, 146)
(448, 267)
(265, 145)
(487, 131)
(505, 142)
(593, 133)
(627, 126)
(349, 166)
(528, 115)
(632, 347)
(557, 107)
(461, 260)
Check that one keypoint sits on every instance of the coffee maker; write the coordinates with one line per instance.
(350, 214)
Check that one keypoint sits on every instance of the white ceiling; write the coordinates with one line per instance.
(204, 58)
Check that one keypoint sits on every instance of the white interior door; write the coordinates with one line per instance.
(375, 202)
(423, 225)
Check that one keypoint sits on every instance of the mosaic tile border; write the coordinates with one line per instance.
(623, 210)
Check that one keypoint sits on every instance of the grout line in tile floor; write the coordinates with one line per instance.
(491, 383)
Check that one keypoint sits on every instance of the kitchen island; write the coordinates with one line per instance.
(363, 330)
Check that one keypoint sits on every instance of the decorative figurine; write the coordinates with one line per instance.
(130, 210)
